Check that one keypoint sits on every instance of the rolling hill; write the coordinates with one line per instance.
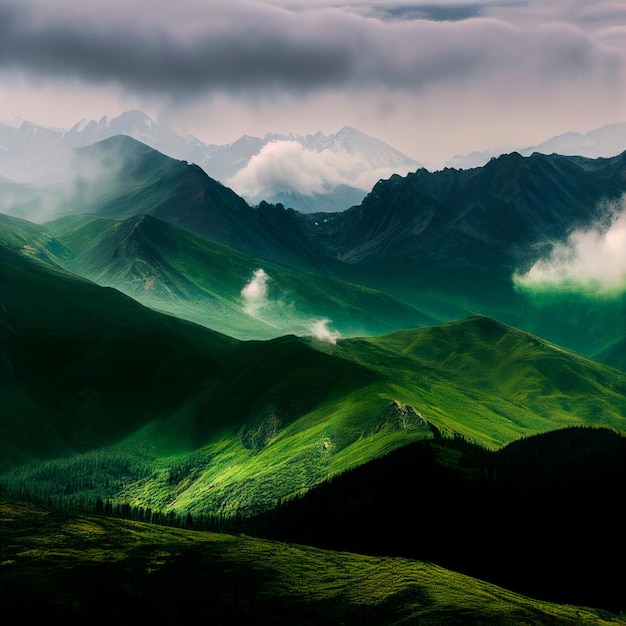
(162, 412)
(98, 569)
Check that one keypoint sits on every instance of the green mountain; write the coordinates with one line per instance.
(172, 270)
(164, 413)
(496, 218)
(132, 179)
(448, 243)
(32, 240)
(91, 376)
(453, 240)
(93, 569)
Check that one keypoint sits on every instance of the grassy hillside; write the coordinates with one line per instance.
(107, 398)
(98, 570)
(172, 270)
(149, 406)
(490, 382)
(614, 355)
(32, 240)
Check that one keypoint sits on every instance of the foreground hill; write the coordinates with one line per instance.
(538, 516)
(98, 570)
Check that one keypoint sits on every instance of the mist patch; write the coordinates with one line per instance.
(282, 313)
(591, 260)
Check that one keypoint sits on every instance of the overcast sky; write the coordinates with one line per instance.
(433, 79)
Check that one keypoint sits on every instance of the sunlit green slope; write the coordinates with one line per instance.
(491, 382)
(165, 413)
(98, 570)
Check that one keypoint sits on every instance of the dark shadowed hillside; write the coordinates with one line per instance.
(540, 516)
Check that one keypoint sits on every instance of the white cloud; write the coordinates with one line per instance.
(320, 330)
(593, 259)
(284, 165)
(284, 316)
(255, 293)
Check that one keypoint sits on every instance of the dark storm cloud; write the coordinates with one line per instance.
(189, 47)
(434, 12)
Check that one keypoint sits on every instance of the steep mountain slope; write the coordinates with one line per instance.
(171, 270)
(484, 218)
(134, 179)
(454, 240)
(81, 367)
(614, 355)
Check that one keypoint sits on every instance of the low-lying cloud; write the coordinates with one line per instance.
(319, 329)
(47, 179)
(591, 260)
(288, 165)
(283, 315)
(254, 293)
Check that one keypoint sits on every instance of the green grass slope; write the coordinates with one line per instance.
(107, 398)
(105, 388)
(32, 240)
(614, 355)
(172, 270)
(490, 382)
(97, 570)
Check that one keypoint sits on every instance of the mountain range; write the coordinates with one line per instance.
(307, 172)
(173, 354)
(606, 141)
(445, 244)
(339, 168)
